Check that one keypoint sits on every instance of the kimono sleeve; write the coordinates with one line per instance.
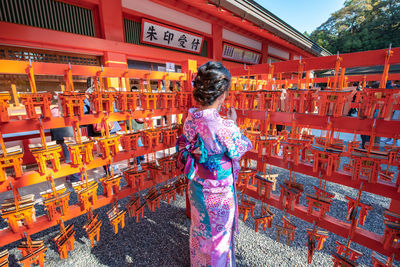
(235, 143)
(86, 107)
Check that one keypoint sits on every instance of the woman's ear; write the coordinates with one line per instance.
(223, 96)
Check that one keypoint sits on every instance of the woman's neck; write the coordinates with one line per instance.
(214, 106)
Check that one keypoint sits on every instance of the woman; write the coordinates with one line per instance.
(60, 135)
(210, 149)
(95, 130)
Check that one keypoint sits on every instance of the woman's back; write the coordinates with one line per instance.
(209, 150)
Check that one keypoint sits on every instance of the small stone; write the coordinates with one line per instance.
(128, 259)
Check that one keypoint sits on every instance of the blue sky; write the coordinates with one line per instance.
(303, 15)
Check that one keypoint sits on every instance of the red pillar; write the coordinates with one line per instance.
(394, 206)
(264, 58)
(114, 60)
(217, 42)
(111, 20)
(112, 28)
(264, 52)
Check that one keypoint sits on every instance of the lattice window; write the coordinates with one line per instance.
(49, 14)
(26, 54)
(132, 31)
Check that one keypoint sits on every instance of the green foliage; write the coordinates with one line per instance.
(361, 25)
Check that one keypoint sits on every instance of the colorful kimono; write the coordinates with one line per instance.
(209, 151)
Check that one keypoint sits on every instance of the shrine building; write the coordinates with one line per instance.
(147, 34)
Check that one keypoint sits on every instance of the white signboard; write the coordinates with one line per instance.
(240, 54)
(161, 35)
(170, 67)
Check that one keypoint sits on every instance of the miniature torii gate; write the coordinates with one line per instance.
(4, 258)
(33, 252)
(92, 227)
(72, 102)
(116, 217)
(265, 219)
(65, 239)
(321, 200)
(10, 158)
(287, 229)
(18, 210)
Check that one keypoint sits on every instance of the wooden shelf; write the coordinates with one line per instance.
(42, 222)
(15, 126)
(34, 177)
(334, 225)
(382, 188)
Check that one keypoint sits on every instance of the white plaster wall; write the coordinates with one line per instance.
(278, 52)
(150, 8)
(240, 39)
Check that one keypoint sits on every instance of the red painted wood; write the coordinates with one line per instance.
(361, 236)
(82, 3)
(364, 59)
(42, 222)
(34, 177)
(14, 34)
(395, 206)
(32, 124)
(264, 52)
(235, 21)
(115, 60)
(111, 20)
(382, 188)
(217, 45)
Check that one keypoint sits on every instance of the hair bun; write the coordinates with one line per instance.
(211, 81)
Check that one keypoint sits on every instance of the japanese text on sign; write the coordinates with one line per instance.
(240, 54)
(158, 34)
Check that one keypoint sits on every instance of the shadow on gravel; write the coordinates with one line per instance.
(298, 247)
(159, 239)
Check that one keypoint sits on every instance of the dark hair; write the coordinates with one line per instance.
(212, 80)
(375, 85)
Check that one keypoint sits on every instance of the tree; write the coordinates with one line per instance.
(361, 25)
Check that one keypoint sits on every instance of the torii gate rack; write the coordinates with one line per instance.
(304, 105)
(19, 211)
(266, 105)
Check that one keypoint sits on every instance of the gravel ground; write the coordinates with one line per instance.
(162, 238)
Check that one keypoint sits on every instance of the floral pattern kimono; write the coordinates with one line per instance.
(209, 152)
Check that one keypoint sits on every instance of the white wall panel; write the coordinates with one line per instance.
(240, 39)
(278, 52)
(153, 9)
